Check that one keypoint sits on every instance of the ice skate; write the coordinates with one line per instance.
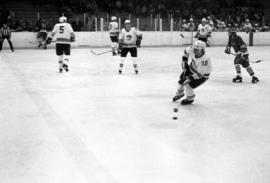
(254, 79)
(136, 72)
(65, 66)
(187, 101)
(237, 79)
(120, 72)
(177, 97)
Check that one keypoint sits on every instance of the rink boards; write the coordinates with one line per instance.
(150, 39)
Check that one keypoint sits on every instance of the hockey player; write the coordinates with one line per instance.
(64, 36)
(241, 57)
(196, 71)
(42, 34)
(204, 32)
(114, 33)
(129, 39)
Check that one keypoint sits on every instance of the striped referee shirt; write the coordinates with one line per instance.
(5, 32)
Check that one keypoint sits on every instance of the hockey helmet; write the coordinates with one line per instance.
(200, 45)
(204, 20)
(62, 19)
(127, 22)
(199, 48)
(113, 18)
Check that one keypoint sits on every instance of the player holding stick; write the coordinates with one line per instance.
(114, 33)
(241, 57)
(129, 39)
(64, 36)
(196, 71)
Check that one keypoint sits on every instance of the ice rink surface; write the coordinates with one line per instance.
(92, 125)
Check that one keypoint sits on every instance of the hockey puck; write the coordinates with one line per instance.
(174, 118)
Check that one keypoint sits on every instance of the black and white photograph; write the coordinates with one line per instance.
(134, 91)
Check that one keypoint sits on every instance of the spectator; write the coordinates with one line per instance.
(191, 25)
(77, 24)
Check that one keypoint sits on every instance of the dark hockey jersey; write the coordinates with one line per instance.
(237, 43)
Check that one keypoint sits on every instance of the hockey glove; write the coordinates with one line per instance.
(72, 38)
(228, 50)
(120, 47)
(138, 41)
(49, 40)
(188, 79)
(184, 62)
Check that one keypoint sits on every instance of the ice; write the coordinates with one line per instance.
(93, 125)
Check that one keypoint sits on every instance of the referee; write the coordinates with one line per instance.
(5, 34)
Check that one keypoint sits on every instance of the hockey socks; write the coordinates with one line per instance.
(134, 60)
(250, 71)
(238, 69)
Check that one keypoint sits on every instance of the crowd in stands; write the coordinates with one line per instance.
(220, 13)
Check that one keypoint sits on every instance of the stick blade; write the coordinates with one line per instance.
(257, 61)
(93, 52)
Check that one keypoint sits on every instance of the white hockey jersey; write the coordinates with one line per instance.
(200, 67)
(63, 32)
(129, 38)
(204, 30)
(113, 29)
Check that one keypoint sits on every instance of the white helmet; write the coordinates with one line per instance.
(62, 19)
(113, 18)
(127, 22)
(199, 45)
(204, 20)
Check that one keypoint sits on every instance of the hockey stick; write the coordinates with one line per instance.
(101, 53)
(36, 42)
(182, 36)
(252, 61)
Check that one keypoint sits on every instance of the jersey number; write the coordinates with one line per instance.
(61, 29)
(128, 37)
(204, 63)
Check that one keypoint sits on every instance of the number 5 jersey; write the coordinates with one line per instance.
(63, 33)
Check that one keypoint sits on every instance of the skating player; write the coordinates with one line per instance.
(129, 39)
(114, 33)
(204, 32)
(64, 36)
(196, 71)
(241, 57)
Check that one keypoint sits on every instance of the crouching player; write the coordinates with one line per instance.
(129, 39)
(241, 57)
(42, 35)
(114, 33)
(196, 71)
(64, 36)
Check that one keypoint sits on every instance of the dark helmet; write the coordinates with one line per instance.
(232, 31)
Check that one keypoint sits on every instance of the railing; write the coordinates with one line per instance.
(100, 22)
